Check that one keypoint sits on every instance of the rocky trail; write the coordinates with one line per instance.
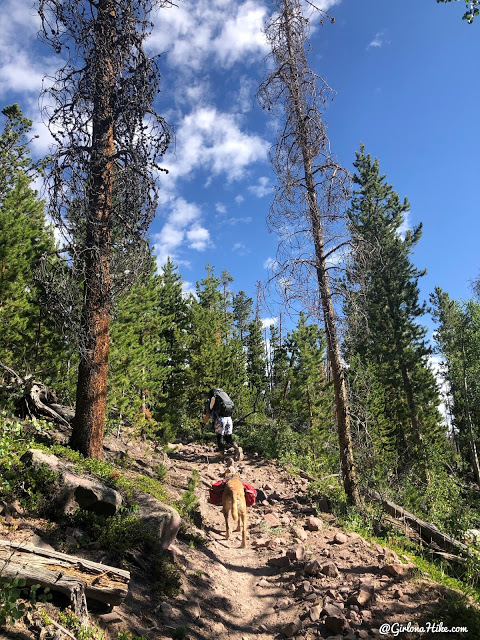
(300, 576)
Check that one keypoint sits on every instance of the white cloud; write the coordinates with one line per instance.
(220, 29)
(269, 263)
(181, 228)
(239, 199)
(234, 221)
(378, 41)
(199, 238)
(213, 141)
(240, 248)
(262, 188)
(221, 208)
(242, 34)
(267, 322)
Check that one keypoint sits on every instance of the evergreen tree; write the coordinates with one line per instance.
(242, 312)
(138, 358)
(305, 400)
(217, 358)
(458, 342)
(383, 311)
(28, 341)
(176, 324)
(256, 364)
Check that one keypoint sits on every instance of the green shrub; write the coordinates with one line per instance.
(16, 599)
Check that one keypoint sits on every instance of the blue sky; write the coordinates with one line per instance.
(406, 82)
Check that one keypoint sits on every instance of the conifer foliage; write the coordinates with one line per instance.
(28, 343)
(385, 342)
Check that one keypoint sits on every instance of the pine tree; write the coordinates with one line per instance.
(305, 400)
(138, 361)
(28, 341)
(242, 312)
(383, 312)
(217, 357)
(458, 342)
(176, 324)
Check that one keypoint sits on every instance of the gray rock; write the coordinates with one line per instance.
(292, 628)
(163, 520)
(282, 562)
(313, 568)
(297, 553)
(336, 623)
(330, 569)
(88, 494)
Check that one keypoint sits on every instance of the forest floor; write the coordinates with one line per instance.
(300, 575)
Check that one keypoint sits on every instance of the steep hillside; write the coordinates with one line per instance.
(300, 576)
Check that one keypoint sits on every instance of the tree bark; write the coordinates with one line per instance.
(341, 401)
(91, 397)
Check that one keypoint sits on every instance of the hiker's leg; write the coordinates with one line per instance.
(221, 444)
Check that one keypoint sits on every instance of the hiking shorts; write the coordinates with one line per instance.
(223, 426)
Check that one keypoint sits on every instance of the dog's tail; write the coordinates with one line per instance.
(234, 509)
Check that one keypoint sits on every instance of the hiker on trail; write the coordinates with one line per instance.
(220, 408)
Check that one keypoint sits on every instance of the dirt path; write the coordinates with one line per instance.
(300, 575)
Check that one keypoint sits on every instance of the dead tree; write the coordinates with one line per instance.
(311, 190)
(102, 177)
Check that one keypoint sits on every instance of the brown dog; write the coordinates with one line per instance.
(233, 500)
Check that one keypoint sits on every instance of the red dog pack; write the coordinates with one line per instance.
(216, 492)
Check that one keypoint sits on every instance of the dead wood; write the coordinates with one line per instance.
(40, 402)
(428, 532)
(75, 577)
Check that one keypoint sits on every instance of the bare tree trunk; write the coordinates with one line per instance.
(341, 401)
(91, 399)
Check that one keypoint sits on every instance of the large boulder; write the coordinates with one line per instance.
(162, 520)
(88, 494)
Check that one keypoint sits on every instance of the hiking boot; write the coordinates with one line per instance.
(238, 452)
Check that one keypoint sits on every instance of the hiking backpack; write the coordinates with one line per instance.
(223, 404)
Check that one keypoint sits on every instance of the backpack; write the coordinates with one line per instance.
(216, 492)
(223, 406)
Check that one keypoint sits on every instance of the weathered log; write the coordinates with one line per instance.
(427, 531)
(70, 575)
(39, 401)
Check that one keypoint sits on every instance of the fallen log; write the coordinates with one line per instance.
(70, 575)
(427, 531)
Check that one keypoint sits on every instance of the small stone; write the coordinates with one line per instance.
(398, 570)
(166, 609)
(263, 583)
(281, 562)
(363, 595)
(297, 553)
(363, 634)
(330, 569)
(313, 568)
(300, 533)
(340, 538)
(331, 610)
(313, 524)
(335, 623)
(303, 589)
(292, 628)
(110, 618)
(315, 612)
(271, 519)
